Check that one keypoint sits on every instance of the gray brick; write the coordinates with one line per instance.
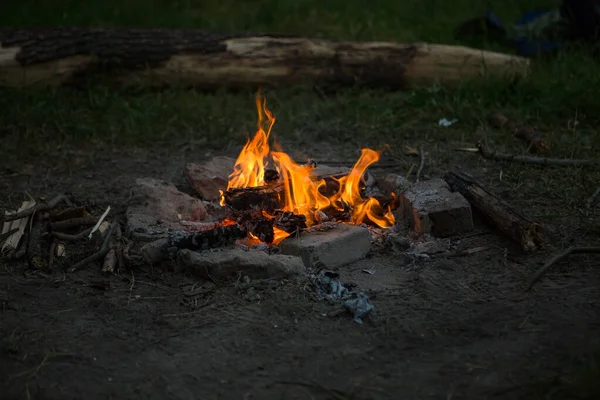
(336, 247)
(432, 208)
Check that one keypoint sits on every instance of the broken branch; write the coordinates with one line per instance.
(100, 254)
(4, 236)
(73, 223)
(523, 230)
(592, 198)
(71, 238)
(559, 257)
(529, 160)
(38, 208)
(421, 164)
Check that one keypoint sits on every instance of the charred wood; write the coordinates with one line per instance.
(528, 233)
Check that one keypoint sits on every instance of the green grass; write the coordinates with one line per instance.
(557, 91)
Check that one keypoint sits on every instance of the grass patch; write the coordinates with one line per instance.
(559, 90)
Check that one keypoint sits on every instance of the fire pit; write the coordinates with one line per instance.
(272, 197)
(290, 215)
(274, 203)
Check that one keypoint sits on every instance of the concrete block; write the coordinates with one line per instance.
(231, 263)
(335, 247)
(432, 208)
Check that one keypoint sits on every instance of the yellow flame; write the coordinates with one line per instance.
(302, 193)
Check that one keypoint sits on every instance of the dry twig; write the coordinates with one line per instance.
(421, 164)
(529, 160)
(100, 254)
(39, 208)
(592, 198)
(71, 238)
(51, 254)
(73, 223)
(4, 236)
(558, 258)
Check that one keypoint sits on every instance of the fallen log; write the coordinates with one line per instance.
(159, 57)
(528, 233)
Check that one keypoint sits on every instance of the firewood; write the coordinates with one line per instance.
(290, 222)
(257, 224)
(528, 233)
(208, 239)
(159, 57)
(267, 198)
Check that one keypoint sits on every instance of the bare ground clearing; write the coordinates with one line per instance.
(445, 328)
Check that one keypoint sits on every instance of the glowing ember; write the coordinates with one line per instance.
(301, 186)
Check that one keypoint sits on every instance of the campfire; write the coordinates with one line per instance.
(273, 197)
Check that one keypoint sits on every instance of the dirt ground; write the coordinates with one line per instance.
(456, 328)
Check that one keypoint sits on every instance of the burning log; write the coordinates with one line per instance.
(220, 236)
(267, 198)
(523, 230)
(158, 57)
(258, 225)
(289, 222)
(217, 236)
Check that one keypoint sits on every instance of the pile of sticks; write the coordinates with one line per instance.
(56, 233)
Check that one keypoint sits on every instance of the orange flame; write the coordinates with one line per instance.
(302, 193)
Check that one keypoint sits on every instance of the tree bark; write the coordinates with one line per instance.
(159, 57)
(525, 231)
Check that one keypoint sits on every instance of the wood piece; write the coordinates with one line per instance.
(73, 223)
(69, 213)
(289, 222)
(527, 133)
(559, 257)
(100, 254)
(525, 231)
(256, 223)
(13, 240)
(159, 57)
(490, 155)
(37, 245)
(209, 239)
(590, 201)
(267, 198)
(38, 207)
(71, 238)
(110, 261)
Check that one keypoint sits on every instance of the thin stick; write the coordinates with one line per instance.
(100, 254)
(73, 223)
(556, 259)
(95, 228)
(421, 163)
(71, 238)
(529, 160)
(410, 170)
(51, 254)
(39, 208)
(4, 236)
(351, 164)
(592, 199)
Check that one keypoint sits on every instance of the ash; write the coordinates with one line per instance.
(329, 287)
